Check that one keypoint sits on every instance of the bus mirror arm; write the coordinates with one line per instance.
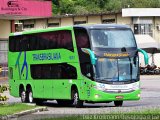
(146, 58)
(91, 54)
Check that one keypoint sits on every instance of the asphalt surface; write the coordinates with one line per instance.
(150, 98)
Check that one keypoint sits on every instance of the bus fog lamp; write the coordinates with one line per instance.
(97, 95)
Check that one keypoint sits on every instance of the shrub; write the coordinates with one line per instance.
(2, 89)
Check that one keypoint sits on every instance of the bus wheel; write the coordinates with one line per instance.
(118, 103)
(76, 101)
(23, 95)
(30, 95)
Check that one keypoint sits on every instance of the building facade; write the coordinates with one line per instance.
(142, 22)
(141, 25)
(12, 11)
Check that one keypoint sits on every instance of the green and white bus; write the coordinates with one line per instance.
(75, 64)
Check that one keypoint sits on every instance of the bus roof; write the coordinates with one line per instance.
(41, 30)
(100, 26)
(86, 26)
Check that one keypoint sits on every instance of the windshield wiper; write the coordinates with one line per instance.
(102, 81)
(103, 78)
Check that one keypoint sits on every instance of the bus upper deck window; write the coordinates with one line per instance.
(82, 38)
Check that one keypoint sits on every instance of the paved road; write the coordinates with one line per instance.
(150, 98)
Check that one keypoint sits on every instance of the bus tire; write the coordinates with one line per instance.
(29, 95)
(118, 103)
(23, 95)
(76, 101)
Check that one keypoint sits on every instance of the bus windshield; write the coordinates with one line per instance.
(112, 38)
(116, 70)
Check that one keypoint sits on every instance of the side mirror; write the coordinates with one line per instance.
(91, 54)
(146, 58)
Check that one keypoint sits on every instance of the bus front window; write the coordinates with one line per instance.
(112, 38)
(116, 70)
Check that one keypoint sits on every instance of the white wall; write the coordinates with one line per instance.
(5, 29)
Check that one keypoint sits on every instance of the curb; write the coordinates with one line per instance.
(26, 112)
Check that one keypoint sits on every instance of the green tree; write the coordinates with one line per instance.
(113, 5)
(96, 6)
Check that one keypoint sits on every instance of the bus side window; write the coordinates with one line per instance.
(17, 44)
(42, 41)
(45, 71)
(66, 40)
(68, 72)
(33, 42)
(12, 43)
(24, 43)
(36, 72)
(53, 71)
(54, 40)
(82, 40)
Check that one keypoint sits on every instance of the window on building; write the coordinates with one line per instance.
(108, 21)
(3, 52)
(79, 22)
(53, 71)
(28, 24)
(143, 29)
(3, 45)
(41, 41)
(53, 24)
(18, 27)
(143, 25)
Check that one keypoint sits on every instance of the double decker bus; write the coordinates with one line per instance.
(75, 64)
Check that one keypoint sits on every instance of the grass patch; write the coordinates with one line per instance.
(9, 109)
(149, 114)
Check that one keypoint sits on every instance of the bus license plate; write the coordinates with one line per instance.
(119, 97)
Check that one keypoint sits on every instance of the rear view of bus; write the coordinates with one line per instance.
(115, 63)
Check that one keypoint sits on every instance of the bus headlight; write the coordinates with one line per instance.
(135, 86)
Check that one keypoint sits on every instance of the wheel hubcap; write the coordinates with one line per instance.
(30, 97)
(75, 98)
(23, 96)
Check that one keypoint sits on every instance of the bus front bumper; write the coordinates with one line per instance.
(100, 96)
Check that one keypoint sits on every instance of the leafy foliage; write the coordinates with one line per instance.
(62, 7)
(2, 89)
